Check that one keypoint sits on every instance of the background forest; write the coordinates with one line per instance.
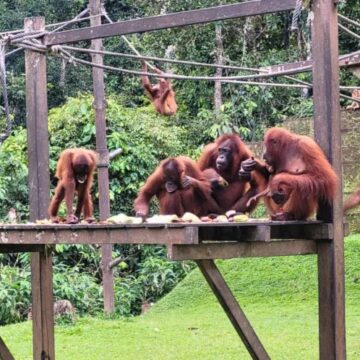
(144, 136)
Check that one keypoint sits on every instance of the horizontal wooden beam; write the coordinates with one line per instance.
(96, 234)
(175, 233)
(235, 233)
(309, 231)
(348, 60)
(237, 250)
(21, 248)
(184, 18)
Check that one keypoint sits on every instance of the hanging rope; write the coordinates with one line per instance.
(131, 46)
(296, 15)
(77, 18)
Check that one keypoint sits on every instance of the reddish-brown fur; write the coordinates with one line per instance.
(353, 200)
(161, 95)
(74, 170)
(236, 195)
(301, 174)
(193, 193)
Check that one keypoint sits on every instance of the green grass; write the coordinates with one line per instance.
(279, 296)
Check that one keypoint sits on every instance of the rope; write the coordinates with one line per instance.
(350, 98)
(226, 79)
(13, 51)
(165, 60)
(131, 46)
(296, 15)
(77, 18)
(350, 21)
(342, 27)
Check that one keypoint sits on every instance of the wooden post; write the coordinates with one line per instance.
(328, 136)
(101, 147)
(39, 192)
(232, 309)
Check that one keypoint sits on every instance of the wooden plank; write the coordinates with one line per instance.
(89, 235)
(237, 250)
(310, 232)
(236, 233)
(5, 353)
(192, 17)
(232, 309)
(21, 248)
(346, 60)
(39, 193)
(328, 135)
(99, 106)
(161, 233)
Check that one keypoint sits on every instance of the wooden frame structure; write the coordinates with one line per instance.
(203, 242)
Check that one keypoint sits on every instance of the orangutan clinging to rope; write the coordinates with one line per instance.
(161, 95)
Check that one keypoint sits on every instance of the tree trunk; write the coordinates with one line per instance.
(219, 59)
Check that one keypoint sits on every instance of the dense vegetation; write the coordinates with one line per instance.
(144, 136)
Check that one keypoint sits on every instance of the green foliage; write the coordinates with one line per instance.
(13, 175)
(143, 277)
(15, 293)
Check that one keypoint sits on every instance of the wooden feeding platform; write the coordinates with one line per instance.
(184, 240)
(201, 242)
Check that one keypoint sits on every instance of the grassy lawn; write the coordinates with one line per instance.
(279, 296)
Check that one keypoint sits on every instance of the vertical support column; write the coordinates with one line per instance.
(39, 192)
(328, 135)
(101, 147)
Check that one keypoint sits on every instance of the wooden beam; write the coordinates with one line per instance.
(232, 309)
(39, 193)
(328, 135)
(5, 353)
(192, 17)
(98, 235)
(310, 232)
(177, 233)
(235, 233)
(237, 250)
(348, 60)
(21, 248)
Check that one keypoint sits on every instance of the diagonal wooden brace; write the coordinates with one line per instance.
(232, 309)
(5, 353)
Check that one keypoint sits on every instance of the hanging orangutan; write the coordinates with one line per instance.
(161, 94)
